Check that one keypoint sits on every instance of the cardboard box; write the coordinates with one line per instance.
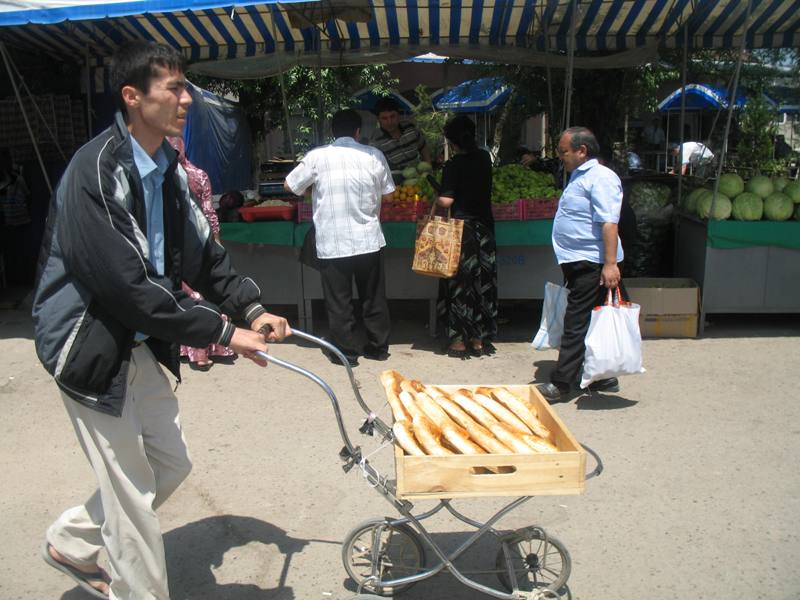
(463, 476)
(670, 306)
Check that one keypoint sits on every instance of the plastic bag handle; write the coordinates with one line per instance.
(610, 298)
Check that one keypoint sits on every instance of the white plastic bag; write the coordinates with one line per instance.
(613, 342)
(552, 326)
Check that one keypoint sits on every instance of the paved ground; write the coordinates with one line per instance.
(700, 497)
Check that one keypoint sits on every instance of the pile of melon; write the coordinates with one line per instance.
(758, 198)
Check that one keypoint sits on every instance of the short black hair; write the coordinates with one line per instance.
(345, 123)
(460, 130)
(582, 136)
(386, 104)
(134, 63)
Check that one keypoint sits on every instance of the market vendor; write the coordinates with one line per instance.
(402, 144)
(695, 154)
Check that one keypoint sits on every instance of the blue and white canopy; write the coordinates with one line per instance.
(475, 96)
(241, 39)
(700, 97)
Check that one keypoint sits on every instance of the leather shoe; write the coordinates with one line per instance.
(352, 360)
(605, 385)
(376, 354)
(552, 392)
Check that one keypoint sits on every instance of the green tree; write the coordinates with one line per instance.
(429, 121)
(756, 123)
(313, 95)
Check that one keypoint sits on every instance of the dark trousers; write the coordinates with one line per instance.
(337, 287)
(582, 278)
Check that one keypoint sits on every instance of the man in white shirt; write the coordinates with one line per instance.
(587, 247)
(692, 153)
(348, 181)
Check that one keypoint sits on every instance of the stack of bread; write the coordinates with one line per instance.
(429, 421)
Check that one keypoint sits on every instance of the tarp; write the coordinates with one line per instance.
(367, 99)
(700, 96)
(474, 96)
(254, 39)
(217, 140)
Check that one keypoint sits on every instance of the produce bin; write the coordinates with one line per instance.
(510, 211)
(742, 267)
(539, 208)
(462, 476)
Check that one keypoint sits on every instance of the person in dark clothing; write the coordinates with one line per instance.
(468, 302)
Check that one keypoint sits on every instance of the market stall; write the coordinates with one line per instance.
(741, 267)
(269, 252)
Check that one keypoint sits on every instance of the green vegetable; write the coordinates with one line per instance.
(722, 207)
(760, 185)
(693, 198)
(731, 185)
(511, 182)
(411, 181)
(792, 190)
(409, 172)
(747, 207)
(424, 167)
(779, 183)
(778, 207)
(645, 197)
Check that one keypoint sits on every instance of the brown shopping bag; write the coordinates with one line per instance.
(437, 249)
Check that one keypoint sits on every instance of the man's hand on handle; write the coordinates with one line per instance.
(247, 343)
(609, 276)
(276, 328)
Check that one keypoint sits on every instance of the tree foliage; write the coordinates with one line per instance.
(313, 95)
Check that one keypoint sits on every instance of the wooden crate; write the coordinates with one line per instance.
(461, 476)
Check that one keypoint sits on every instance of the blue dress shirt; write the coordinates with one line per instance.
(151, 172)
(592, 197)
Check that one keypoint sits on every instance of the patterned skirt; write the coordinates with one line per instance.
(203, 354)
(467, 304)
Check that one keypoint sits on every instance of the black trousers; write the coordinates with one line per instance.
(338, 275)
(582, 278)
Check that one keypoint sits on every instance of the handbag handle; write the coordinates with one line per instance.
(434, 206)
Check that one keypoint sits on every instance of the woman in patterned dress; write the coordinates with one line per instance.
(468, 301)
(200, 185)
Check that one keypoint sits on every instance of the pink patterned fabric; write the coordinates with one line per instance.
(200, 186)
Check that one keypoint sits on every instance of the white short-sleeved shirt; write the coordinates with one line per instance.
(348, 180)
(695, 152)
(592, 197)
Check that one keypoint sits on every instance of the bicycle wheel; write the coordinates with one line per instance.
(537, 563)
(400, 554)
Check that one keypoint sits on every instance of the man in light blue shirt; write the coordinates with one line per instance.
(587, 246)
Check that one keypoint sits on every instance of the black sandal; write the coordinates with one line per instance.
(462, 354)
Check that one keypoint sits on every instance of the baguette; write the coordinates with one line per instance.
(428, 437)
(478, 433)
(524, 410)
(389, 379)
(410, 404)
(509, 436)
(501, 413)
(405, 437)
(460, 441)
(435, 412)
(464, 399)
(538, 444)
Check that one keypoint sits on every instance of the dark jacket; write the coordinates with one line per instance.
(96, 287)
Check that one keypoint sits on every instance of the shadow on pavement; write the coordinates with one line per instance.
(197, 549)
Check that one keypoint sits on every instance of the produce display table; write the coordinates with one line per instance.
(741, 267)
(525, 262)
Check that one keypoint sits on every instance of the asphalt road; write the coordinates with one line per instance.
(700, 497)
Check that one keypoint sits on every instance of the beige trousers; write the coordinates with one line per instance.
(139, 459)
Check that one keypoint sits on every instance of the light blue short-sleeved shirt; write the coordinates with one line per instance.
(592, 197)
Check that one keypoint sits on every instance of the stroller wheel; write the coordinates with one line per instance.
(399, 554)
(538, 560)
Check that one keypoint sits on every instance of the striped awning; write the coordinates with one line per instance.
(700, 97)
(254, 39)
